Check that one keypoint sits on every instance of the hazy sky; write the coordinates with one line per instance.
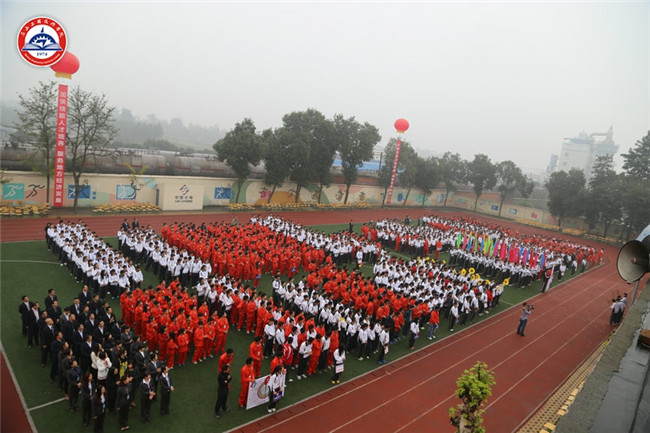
(509, 79)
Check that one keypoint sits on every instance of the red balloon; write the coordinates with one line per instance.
(68, 65)
(401, 125)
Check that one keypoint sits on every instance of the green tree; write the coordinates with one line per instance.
(636, 186)
(509, 179)
(408, 177)
(481, 173)
(453, 170)
(275, 160)
(602, 203)
(90, 131)
(36, 125)
(355, 144)
(311, 142)
(474, 387)
(428, 176)
(637, 160)
(566, 192)
(241, 148)
(406, 157)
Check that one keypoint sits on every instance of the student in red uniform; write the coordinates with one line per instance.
(247, 377)
(226, 358)
(183, 347)
(172, 347)
(251, 310)
(255, 351)
(222, 331)
(277, 360)
(198, 344)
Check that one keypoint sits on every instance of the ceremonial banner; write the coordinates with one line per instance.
(258, 392)
(59, 149)
(392, 176)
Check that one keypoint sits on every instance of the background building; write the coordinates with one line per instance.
(580, 152)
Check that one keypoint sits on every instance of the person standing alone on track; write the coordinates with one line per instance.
(525, 312)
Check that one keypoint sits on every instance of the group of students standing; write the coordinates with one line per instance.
(309, 326)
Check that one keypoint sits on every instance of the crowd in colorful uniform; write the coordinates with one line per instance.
(306, 324)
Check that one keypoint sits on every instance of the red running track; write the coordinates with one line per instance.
(414, 393)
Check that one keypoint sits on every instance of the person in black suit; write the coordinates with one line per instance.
(154, 367)
(23, 308)
(166, 389)
(86, 350)
(124, 401)
(73, 375)
(112, 382)
(54, 312)
(55, 347)
(30, 318)
(77, 307)
(78, 338)
(87, 390)
(84, 296)
(68, 328)
(146, 395)
(99, 410)
(91, 323)
(100, 333)
(223, 381)
(140, 359)
(46, 337)
(50, 298)
(83, 316)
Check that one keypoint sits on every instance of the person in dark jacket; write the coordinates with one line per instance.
(124, 401)
(30, 318)
(87, 390)
(146, 395)
(55, 347)
(166, 389)
(99, 410)
(223, 382)
(74, 385)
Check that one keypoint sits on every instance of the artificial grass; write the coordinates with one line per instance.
(29, 268)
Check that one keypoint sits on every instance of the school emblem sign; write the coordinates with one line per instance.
(42, 41)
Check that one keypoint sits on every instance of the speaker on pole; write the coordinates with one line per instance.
(634, 257)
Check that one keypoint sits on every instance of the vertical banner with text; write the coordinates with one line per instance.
(392, 176)
(59, 149)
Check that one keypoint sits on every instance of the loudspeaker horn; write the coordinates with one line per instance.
(634, 257)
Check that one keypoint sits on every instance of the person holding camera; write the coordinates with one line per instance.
(525, 312)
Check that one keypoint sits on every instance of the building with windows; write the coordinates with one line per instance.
(580, 152)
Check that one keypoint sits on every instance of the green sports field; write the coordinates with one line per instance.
(29, 268)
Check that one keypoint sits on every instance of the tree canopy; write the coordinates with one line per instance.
(355, 144)
(481, 173)
(510, 179)
(37, 125)
(241, 148)
(453, 170)
(600, 198)
(311, 142)
(427, 175)
(636, 185)
(566, 194)
(90, 131)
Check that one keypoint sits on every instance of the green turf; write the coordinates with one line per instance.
(29, 268)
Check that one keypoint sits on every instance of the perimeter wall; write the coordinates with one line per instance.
(178, 193)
